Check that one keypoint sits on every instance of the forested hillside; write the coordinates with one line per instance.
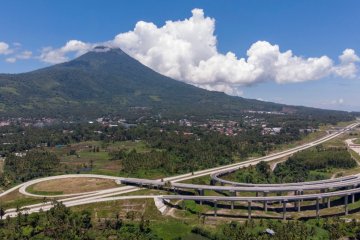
(107, 81)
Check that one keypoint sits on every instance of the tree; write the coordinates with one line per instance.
(2, 212)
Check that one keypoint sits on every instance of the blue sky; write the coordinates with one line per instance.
(307, 28)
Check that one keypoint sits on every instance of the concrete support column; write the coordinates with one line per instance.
(352, 197)
(215, 208)
(232, 205)
(298, 203)
(323, 200)
(265, 206)
(257, 194)
(249, 209)
(284, 210)
(346, 205)
(317, 207)
(329, 202)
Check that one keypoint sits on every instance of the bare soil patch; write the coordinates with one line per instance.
(74, 185)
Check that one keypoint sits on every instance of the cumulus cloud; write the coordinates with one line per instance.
(5, 48)
(59, 55)
(339, 101)
(10, 60)
(24, 55)
(14, 52)
(187, 50)
(347, 67)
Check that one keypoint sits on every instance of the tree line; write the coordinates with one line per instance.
(62, 223)
(34, 164)
(303, 166)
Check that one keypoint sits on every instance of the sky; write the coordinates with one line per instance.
(295, 52)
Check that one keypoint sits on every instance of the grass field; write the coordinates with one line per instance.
(166, 227)
(86, 160)
(15, 199)
(71, 185)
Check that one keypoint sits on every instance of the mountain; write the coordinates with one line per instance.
(109, 81)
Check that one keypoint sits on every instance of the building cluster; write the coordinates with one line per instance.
(28, 122)
(227, 127)
(266, 112)
(234, 128)
(270, 130)
(113, 122)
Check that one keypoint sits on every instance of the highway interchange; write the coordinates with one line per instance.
(345, 187)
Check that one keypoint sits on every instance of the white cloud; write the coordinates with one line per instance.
(4, 48)
(24, 55)
(187, 50)
(17, 44)
(339, 101)
(59, 55)
(10, 60)
(347, 67)
(14, 53)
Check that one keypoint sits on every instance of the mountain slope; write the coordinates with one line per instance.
(108, 80)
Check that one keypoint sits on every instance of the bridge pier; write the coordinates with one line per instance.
(317, 207)
(323, 200)
(329, 202)
(249, 209)
(232, 205)
(284, 210)
(265, 202)
(346, 208)
(215, 208)
(302, 193)
(352, 197)
(298, 203)
(201, 193)
(265, 206)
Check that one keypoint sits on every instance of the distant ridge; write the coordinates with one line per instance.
(107, 80)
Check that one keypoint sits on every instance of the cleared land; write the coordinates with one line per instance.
(72, 185)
